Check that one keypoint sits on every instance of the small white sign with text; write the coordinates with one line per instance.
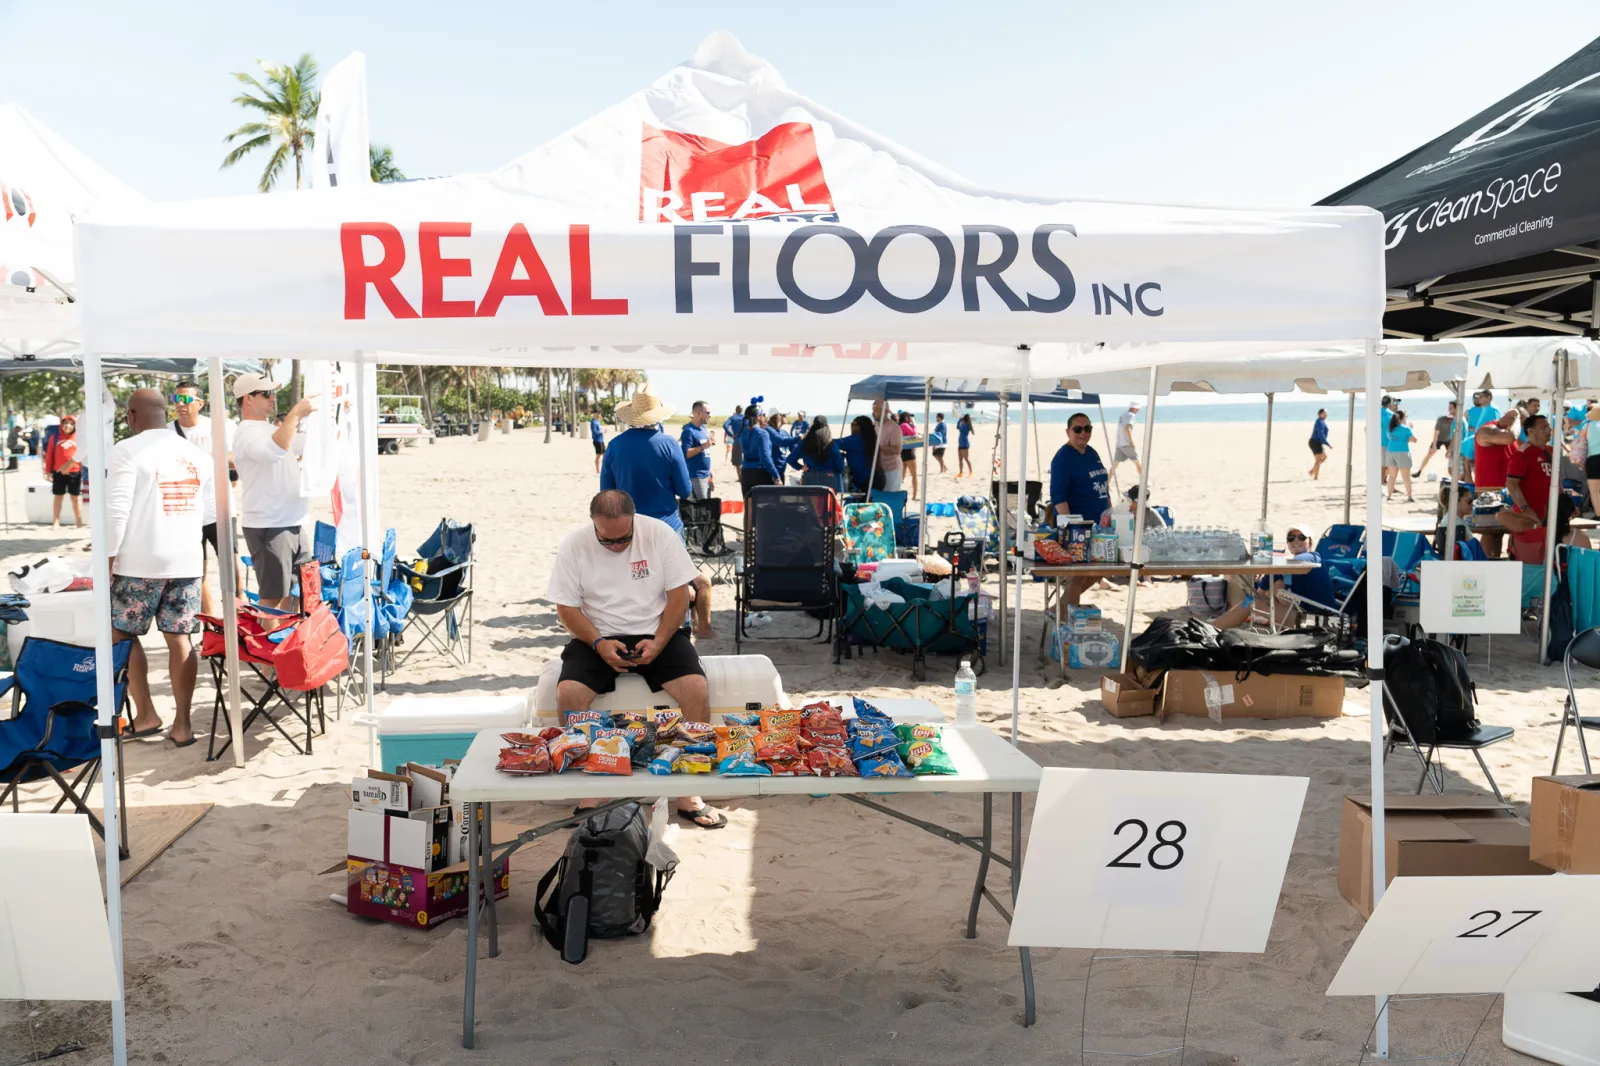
(1144, 861)
(1461, 935)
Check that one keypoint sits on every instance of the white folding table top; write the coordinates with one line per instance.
(985, 762)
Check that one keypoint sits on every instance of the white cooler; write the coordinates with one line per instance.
(430, 729)
(734, 682)
(1553, 1026)
(36, 503)
(64, 616)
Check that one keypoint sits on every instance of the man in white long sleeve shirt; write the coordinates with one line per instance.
(158, 498)
(272, 508)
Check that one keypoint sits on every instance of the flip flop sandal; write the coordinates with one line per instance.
(140, 734)
(184, 743)
(693, 818)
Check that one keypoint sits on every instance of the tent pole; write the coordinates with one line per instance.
(1000, 515)
(1455, 469)
(1022, 502)
(106, 712)
(1143, 504)
(1556, 418)
(927, 418)
(1375, 719)
(5, 465)
(1349, 455)
(877, 432)
(1266, 464)
(1116, 490)
(367, 438)
(227, 552)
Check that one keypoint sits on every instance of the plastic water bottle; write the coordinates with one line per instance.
(966, 695)
(972, 582)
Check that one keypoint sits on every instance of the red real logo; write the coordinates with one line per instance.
(684, 178)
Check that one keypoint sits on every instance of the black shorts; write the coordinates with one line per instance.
(907, 454)
(66, 484)
(581, 663)
(1316, 447)
(1591, 468)
(938, 453)
(599, 447)
(208, 535)
(751, 478)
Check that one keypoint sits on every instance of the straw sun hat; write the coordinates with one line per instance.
(645, 409)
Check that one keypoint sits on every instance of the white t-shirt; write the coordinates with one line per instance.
(622, 593)
(158, 496)
(200, 434)
(269, 477)
(1125, 430)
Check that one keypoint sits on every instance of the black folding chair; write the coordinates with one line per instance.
(788, 556)
(1418, 730)
(1035, 495)
(1583, 649)
(703, 534)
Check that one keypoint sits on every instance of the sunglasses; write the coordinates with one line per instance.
(1080, 429)
(1298, 536)
(184, 397)
(615, 542)
(261, 392)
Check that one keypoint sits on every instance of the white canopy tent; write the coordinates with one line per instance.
(712, 220)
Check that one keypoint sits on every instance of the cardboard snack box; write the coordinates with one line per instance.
(1565, 816)
(1430, 836)
(1123, 696)
(1215, 695)
(387, 873)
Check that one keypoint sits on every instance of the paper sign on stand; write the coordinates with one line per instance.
(1461, 596)
(54, 942)
(1462, 935)
(1144, 861)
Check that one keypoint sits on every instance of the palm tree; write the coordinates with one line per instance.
(288, 117)
(381, 159)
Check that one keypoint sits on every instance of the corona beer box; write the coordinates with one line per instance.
(388, 872)
(1205, 694)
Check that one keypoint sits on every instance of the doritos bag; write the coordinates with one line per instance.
(314, 654)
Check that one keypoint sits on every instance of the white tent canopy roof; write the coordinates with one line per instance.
(1406, 365)
(1529, 364)
(717, 206)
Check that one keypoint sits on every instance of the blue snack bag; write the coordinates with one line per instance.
(867, 743)
(868, 711)
(742, 764)
(887, 764)
(661, 764)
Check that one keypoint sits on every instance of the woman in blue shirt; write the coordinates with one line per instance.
(964, 447)
(1319, 443)
(759, 467)
(857, 450)
(1398, 458)
(819, 457)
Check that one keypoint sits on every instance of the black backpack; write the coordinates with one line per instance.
(1429, 684)
(602, 887)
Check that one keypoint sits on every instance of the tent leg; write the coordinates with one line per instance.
(1349, 455)
(1143, 504)
(367, 439)
(927, 418)
(227, 554)
(105, 685)
(1000, 517)
(1266, 464)
(1380, 1047)
(1557, 419)
(1022, 502)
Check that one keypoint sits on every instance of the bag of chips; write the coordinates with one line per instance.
(867, 710)
(777, 719)
(694, 732)
(821, 718)
(525, 740)
(741, 764)
(641, 745)
(778, 744)
(608, 753)
(887, 764)
(870, 736)
(568, 750)
(924, 754)
(666, 720)
(831, 762)
(752, 718)
(731, 739)
(571, 719)
(787, 767)
(525, 758)
(661, 763)
(624, 719)
(691, 763)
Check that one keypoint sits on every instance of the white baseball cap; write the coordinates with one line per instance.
(245, 384)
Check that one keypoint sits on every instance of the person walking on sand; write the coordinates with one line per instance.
(1444, 433)
(730, 435)
(1319, 444)
(64, 472)
(1125, 450)
(158, 498)
(964, 447)
(597, 437)
(937, 439)
(1397, 462)
(908, 455)
(272, 506)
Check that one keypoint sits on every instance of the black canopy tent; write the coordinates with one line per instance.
(1495, 226)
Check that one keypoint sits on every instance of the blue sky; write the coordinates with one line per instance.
(1229, 103)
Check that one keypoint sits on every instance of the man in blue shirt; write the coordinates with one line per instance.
(597, 434)
(730, 435)
(938, 439)
(800, 426)
(1078, 487)
(696, 441)
(649, 466)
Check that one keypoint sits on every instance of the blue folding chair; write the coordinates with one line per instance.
(896, 502)
(52, 731)
(1341, 541)
(441, 604)
(324, 542)
(1326, 594)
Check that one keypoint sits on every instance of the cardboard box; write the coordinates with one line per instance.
(1204, 694)
(1565, 812)
(385, 877)
(429, 787)
(381, 793)
(1083, 618)
(1431, 836)
(1123, 696)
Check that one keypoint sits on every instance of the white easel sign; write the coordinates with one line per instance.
(1461, 596)
(54, 942)
(1462, 935)
(1143, 861)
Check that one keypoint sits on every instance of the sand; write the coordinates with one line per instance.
(808, 931)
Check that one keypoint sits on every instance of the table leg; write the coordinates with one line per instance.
(1028, 1009)
(488, 879)
(1061, 598)
(983, 864)
(473, 846)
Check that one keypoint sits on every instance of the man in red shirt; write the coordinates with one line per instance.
(1528, 482)
(1496, 443)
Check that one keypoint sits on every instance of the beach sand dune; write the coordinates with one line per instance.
(808, 931)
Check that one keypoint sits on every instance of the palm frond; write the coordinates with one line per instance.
(260, 141)
(269, 177)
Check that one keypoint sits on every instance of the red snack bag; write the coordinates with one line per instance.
(609, 753)
(774, 719)
(821, 717)
(525, 759)
(777, 744)
(787, 767)
(693, 732)
(525, 740)
(831, 762)
(549, 733)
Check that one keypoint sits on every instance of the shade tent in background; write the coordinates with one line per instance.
(816, 242)
(186, 367)
(1491, 227)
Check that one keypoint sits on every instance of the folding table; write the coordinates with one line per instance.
(986, 764)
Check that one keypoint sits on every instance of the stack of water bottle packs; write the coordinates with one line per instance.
(816, 740)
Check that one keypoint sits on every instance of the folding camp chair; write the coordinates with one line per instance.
(53, 731)
(703, 534)
(975, 517)
(1318, 598)
(868, 532)
(1405, 725)
(1341, 541)
(441, 604)
(788, 556)
(257, 643)
(1583, 649)
(1035, 495)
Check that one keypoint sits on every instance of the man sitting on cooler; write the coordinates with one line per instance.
(620, 584)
